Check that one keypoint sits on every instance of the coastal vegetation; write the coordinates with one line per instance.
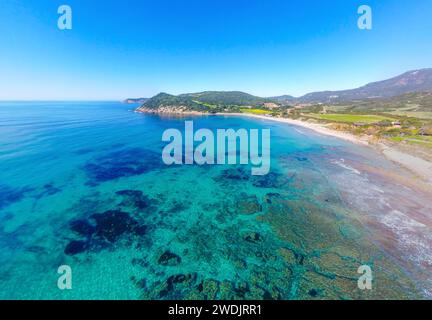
(381, 120)
(352, 118)
(396, 111)
(254, 111)
(210, 101)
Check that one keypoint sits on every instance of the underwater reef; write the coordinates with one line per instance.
(122, 163)
(270, 241)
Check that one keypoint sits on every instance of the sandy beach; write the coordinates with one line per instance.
(420, 167)
(313, 126)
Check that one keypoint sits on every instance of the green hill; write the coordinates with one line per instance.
(209, 101)
(165, 99)
(419, 101)
(226, 98)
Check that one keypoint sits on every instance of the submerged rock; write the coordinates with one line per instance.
(169, 259)
(175, 286)
(102, 230)
(139, 283)
(299, 257)
(184, 279)
(82, 227)
(269, 197)
(123, 163)
(241, 290)
(253, 237)
(239, 174)
(140, 230)
(178, 206)
(313, 293)
(75, 247)
(248, 204)
(271, 180)
(134, 198)
(10, 195)
(113, 224)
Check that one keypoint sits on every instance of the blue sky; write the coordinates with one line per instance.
(120, 49)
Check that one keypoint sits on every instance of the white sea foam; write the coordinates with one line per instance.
(341, 163)
(411, 235)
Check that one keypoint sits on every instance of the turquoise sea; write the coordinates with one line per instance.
(82, 184)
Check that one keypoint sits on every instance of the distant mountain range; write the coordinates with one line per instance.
(216, 101)
(284, 98)
(412, 81)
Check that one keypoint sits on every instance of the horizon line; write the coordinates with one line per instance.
(176, 94)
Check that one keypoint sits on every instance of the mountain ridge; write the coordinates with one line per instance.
(414, 81)
(419, 80)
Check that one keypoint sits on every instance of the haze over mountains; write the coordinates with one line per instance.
(415, 81)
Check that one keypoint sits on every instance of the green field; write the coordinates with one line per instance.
(413, 114)
(211, 106)
(350, 118)
(254, 111)
(415, 139)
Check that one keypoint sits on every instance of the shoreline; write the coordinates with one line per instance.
(312, 126)
(418, 166)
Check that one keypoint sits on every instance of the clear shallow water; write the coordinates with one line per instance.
(82, 184)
